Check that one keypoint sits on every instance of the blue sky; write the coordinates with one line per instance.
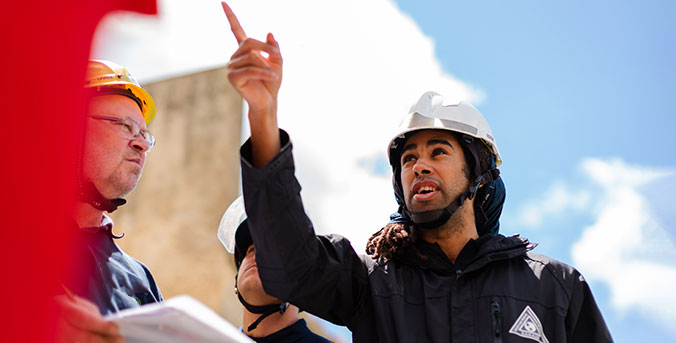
(580, 96)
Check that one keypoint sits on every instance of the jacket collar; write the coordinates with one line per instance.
(486, 250)
(499, 248)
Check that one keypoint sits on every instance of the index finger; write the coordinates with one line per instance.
(236, 28)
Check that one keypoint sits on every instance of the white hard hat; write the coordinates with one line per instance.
(432, 112)
(231, 220)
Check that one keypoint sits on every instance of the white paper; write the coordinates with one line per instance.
(181, 319)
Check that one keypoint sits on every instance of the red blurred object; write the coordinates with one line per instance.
(45, 46)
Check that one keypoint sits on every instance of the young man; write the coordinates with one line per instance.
(264, 317)
(439, 271)
(103, 279)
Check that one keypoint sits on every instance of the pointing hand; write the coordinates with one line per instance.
(255, 69)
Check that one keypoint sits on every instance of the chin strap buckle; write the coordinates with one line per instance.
(475, 187)
(487, 177)
(264, 310)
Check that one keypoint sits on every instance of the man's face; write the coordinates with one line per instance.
(433, 170)
(112, 161)
(249, 283)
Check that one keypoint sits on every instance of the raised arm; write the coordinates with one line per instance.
(257, 77)
(321, 274)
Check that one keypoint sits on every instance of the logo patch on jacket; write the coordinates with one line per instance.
(528, 326)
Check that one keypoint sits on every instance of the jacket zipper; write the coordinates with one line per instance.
(495, 307)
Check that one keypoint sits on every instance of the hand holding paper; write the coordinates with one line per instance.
(180, 319)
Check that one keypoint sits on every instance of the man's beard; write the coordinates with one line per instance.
(120, 188)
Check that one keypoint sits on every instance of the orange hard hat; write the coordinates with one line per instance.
(108, 75)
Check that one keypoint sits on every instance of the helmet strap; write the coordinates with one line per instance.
(435, 218)
(265, 310)
(88, 193)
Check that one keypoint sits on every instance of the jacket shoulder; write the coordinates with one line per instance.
(555, 266)
(583, 319)
(567, 276)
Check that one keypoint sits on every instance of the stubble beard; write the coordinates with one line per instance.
(456, 222)
(121, 185)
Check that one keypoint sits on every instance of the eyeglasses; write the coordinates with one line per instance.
(130, 129)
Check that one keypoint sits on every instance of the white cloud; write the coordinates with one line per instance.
(562, 197)
(185, 36)
(627, 246)
(616, 173)
(559, 198)
(351, 70)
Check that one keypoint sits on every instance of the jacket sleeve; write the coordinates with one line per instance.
(584, 321)
(320, 274)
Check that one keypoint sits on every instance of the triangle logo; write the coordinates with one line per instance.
(528, 326)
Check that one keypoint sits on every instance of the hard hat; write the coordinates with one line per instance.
(233, 230)
(106, 75)
(432, 112)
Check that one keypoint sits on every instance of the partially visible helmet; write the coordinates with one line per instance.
(233, 230)
(234, 234)
(432, 112)
(109, 78)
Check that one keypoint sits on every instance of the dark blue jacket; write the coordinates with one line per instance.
(296, 333)
(104, 274)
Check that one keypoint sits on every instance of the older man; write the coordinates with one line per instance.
(103, 278)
